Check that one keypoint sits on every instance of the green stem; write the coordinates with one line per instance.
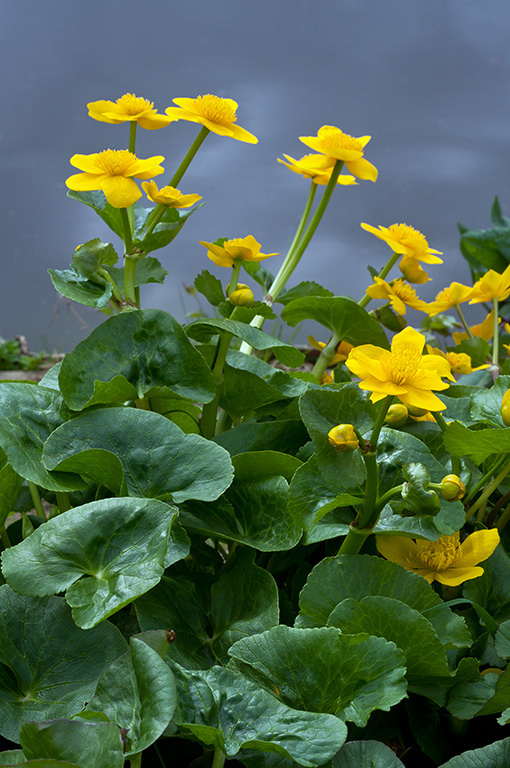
(236, 268)
(5, 537)
(132, 136)
(190, 154)
(354, 540)
(63, 502)
(155, 217)
(36, 500)
(219, 758)
(495, 344)
(391, 494)
(126, 232)
(135, 761)
(495, 467)
(463, 321)
(112, 282)
(210, 410)
(366, 299)
(504, 518)
(129, 280)
(326, 356)
(490, 489)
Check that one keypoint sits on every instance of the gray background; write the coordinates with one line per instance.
(428, 80)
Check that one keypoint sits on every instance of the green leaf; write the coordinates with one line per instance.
(89, 257)
(244, 602)
(341, 315)
(226, 711)
(416, 498)
(477, 348)
(287, 436)
(503, 640)
(425, 656)
(48, 666)
(260, 274)
(164, 232)
(136, 354)
(496, 755)
(147, 270)
(492, 589)
(321, 670)
(94, 745)
(28, 415)
(477, 445)
(105, 554)
(210, 287)
(366, 754)
(143, 449)
(335, 579)
(10, 484)
(76, 287)
(489, 248)
(97, 200)
(486, 403)
(15, 757)
(138, 693)
(253, 510)
(202, 330)
(301, 291)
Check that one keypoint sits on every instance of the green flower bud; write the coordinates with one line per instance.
(397, 415)
(414, 411)
(505, 408)
(343, 438)
(242, 296)
(452, 488)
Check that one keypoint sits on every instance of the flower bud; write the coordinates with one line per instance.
(397, 415)
(328, 377)
(242, 296)
(505, 408)
(414, 411)
(343, 438)
(452, 488)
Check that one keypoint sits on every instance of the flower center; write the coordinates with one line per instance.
(216, 109)
(402, 366)
(116, 162)
(134, 105)
(408, 236)
(439, 555)
(334, 137)
(404, 291)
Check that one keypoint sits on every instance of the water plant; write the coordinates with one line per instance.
(217, 552)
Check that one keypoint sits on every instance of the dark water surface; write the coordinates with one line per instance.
(427, 80)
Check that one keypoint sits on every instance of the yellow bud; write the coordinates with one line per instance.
(242, 296)
(397, 415)
(343, 438)
(452, 488)
(327, 377)
(414, 411)
(505, 408)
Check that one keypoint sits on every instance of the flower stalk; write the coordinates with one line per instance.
(188, 157)
(326, 356)
(366, 299)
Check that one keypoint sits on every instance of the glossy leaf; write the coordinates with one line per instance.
(75, 287)
(94, 745)
(147, 270)
(477, 445)
(143, 449)
(366, 754)
(492, 589)
(28, 416)
(210, 287)
(89, 257)
(105, 554)
(321, 670)
(133, 355)
(138, 693)
(495, 755)
(48, 666)
(301, 291)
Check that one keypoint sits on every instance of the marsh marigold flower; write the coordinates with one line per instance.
(460, 362)
(129, 108)
(245, 248)
(484, 330)
(492, 285)
(452, 296)
(112, 172)
(412, 271)
(318, 168)
(215, 113)
(169, 196)
(410, 243)
(334, 143)
(445, 560)
(398, 293)
(343, 438)
(341, 353)
(404, 372)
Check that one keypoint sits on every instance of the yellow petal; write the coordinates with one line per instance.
(421, 398)
(478, 547)
(453, 576)
(120, 192)
(87, 163)
(401, 550)
(362, 169)
(153, 121)
(83, 182)
(408, 339)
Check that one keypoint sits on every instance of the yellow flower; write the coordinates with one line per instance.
(459, 362)
(334, 143)
(408, 241)
(343, 438)
(452, 296)
(398, 293)
(318, 168)
(245, 248)
(129, 108)
(412, 271)
(112, 171)
(169, 196)
(505, 408)
(342, 349)
(215, 113)
(403, 372)
(327, 378)
(492, 285)
(445, 560)
(484, 330)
